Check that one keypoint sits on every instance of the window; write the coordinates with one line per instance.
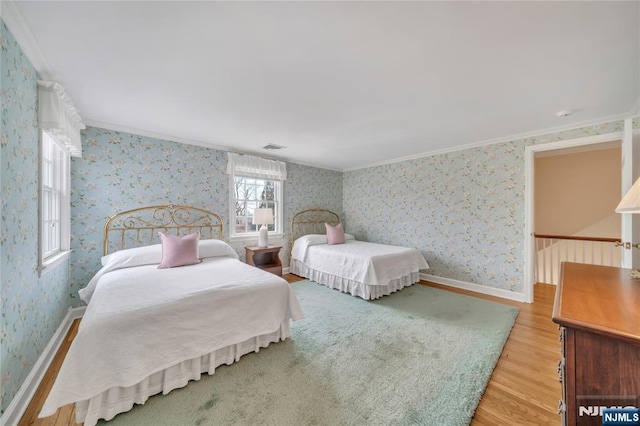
(250, 194)
(54, 201)
(255, 183)
(60, 126)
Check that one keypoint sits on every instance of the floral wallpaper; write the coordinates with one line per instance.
(464, 210)
(32, 308)
(120, 171)
(306, 188)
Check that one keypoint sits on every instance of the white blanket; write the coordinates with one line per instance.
(143, 319)
(363, 262)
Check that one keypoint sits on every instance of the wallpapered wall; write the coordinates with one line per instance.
(120, 171)
(464, 210)
(32, 307)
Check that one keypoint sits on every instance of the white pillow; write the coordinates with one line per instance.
(149, 255)
(315, 239)
(216, 248)
(301, 244)
(312, 239)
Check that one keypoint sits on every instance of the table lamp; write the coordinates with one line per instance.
(263, 217)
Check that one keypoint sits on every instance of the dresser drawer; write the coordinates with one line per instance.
(597, 307)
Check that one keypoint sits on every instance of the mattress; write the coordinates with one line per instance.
(363, 269)
(148, 330)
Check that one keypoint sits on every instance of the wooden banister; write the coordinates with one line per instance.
(552, 250)
(577, 238)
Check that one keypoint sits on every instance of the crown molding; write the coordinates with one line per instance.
(22, 33)
(186, 141)
(150, 134)
(495, 141)
(15, 22)
(171, 138)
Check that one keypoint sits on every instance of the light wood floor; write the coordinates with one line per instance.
(523, 390)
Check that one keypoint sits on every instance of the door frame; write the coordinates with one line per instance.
(529, 158)
(630, 172)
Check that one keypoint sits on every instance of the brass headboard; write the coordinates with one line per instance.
(138, 227)
(311, 222)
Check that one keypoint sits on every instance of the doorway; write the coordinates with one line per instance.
(584, 144)
(576, 191)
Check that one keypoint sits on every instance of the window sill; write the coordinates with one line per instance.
(254, 237)
(52, 262)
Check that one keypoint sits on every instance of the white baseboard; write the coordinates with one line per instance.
(23, 397)
(504, 294)
(285, 270)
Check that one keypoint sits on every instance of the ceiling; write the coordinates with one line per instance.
(341, 85)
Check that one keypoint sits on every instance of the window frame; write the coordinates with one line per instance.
(278, 231)
(59, 166)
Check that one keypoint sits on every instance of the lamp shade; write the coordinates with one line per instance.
(631, 201)
(263, 217)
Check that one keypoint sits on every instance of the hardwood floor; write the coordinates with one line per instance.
(523, 390)
(65, 415)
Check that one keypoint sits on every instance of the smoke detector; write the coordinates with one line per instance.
(273, 147)
(563, 113)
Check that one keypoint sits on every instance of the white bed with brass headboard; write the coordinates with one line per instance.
(148, 330)
(363, 269)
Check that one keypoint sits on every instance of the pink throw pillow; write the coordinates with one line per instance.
(179, 251)
(335, 234)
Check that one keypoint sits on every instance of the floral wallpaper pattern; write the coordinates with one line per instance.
(120, 171)
(464, 210)
(32, 308)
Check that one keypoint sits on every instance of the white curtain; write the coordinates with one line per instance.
(58, 116)
(251, 166)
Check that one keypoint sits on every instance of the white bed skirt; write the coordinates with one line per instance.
(345, 285)
(121, 399)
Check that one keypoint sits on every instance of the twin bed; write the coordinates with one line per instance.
(149, 330)
(363, 269)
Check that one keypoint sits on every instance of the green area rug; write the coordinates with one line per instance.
(420, 356)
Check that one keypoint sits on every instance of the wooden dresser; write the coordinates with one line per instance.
(598, 310)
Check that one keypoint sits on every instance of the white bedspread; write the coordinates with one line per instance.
(363, 262)
(142, 320)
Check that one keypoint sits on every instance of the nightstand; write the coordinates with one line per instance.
(265, 258)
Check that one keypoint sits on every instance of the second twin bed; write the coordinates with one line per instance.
(363, 269)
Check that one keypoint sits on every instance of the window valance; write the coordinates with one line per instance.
(58, 116)
(251, 166)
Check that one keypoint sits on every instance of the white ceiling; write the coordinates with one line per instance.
(340, 84)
